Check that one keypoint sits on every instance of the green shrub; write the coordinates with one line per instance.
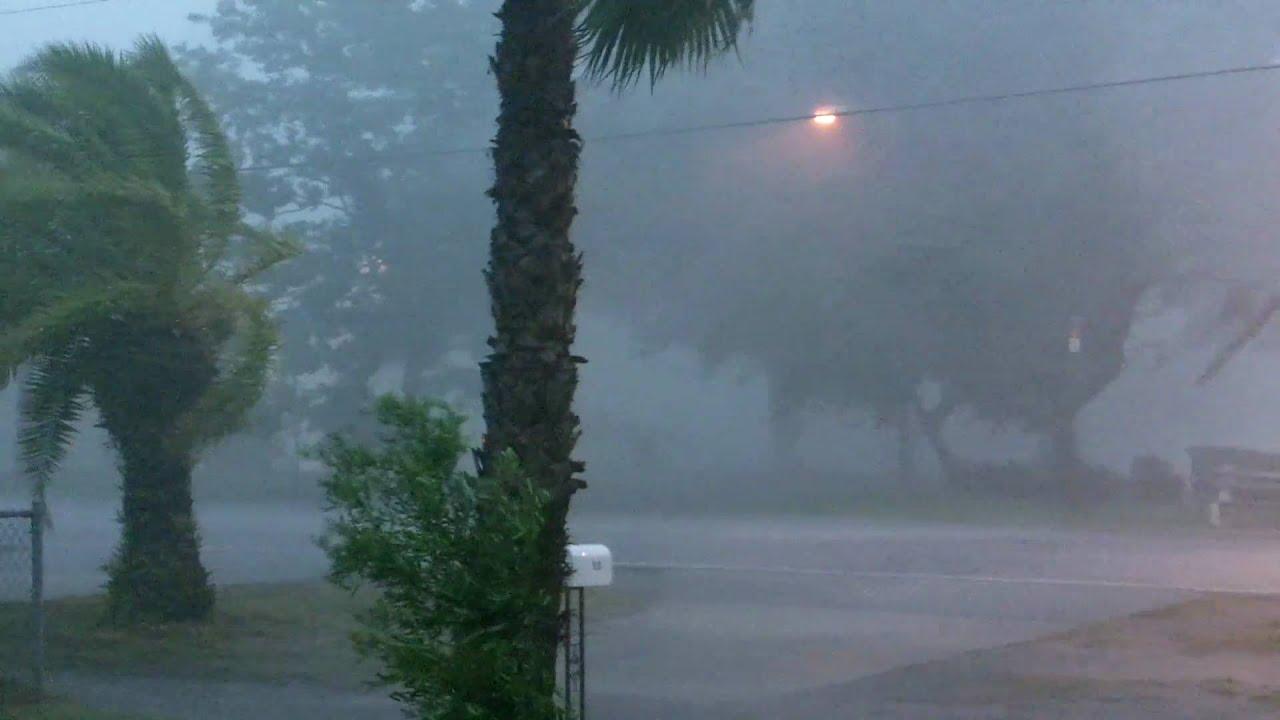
(461, 626)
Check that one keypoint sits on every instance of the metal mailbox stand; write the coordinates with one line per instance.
(591, 566)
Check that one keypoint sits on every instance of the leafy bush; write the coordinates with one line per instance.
(462, 626)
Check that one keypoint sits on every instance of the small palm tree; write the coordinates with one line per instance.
(124, 261)
(534, 271)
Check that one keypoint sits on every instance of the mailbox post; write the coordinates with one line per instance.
(589, 566)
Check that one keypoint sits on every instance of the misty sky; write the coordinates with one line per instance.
(1199, 149)
(114, 23)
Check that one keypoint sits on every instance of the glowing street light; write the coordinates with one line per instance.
(825, 118)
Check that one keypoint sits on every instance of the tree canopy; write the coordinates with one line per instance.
(342, 107)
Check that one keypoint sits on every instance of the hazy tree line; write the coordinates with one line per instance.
(936, 277)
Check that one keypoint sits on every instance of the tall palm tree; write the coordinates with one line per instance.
(124, 261)
(534, 271)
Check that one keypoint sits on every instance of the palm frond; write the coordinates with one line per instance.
(621, 40)
(61, 229)
(62, 320)
(214, 161)
(52, 404)
(90, 92)
(27, 135)
(265, 250)
(1240, 341)
(246, 368)
(71, 58)
(126, 196)
(120, 202)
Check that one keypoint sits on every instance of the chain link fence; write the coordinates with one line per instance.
(21, 598)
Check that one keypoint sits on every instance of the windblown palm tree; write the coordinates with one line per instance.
(534, 270)
(123, 266)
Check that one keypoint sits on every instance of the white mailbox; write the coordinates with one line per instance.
(590, 566)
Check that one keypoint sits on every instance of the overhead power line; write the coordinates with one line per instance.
(877, 110)
(952, 102)
(767, 121)
(54, 6)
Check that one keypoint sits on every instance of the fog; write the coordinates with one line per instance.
(896, 324)
(684, 233)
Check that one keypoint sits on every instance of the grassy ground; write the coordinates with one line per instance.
(995, 511)
(871, 499)
(296, 632)
(270, 632)
(17, 703)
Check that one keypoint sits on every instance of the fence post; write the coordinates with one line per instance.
(37, 594)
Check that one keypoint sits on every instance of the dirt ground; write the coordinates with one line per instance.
(1214, 657)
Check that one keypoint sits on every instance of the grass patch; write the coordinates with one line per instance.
(288, 632)
(20, 703)
(277, 633)
(996, 511)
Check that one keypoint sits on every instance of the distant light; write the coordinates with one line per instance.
(824, 118)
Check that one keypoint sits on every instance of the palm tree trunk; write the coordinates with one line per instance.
(151, 375)
(156, 574)
(534, 271)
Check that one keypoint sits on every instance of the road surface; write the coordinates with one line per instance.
(741, 612)
(732, 612)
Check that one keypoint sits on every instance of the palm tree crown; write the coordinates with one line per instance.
(120, 202)
(623, 40)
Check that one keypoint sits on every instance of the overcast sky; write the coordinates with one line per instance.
(115, 23)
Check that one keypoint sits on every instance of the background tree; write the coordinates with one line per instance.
(950, 282)
(346, 103)
(124, 258)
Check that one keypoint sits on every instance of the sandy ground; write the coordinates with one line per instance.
(1213, 657)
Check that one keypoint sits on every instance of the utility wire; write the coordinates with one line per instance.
(55, 6)
(879, 110)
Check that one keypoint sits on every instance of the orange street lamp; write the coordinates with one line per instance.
(825, 118)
